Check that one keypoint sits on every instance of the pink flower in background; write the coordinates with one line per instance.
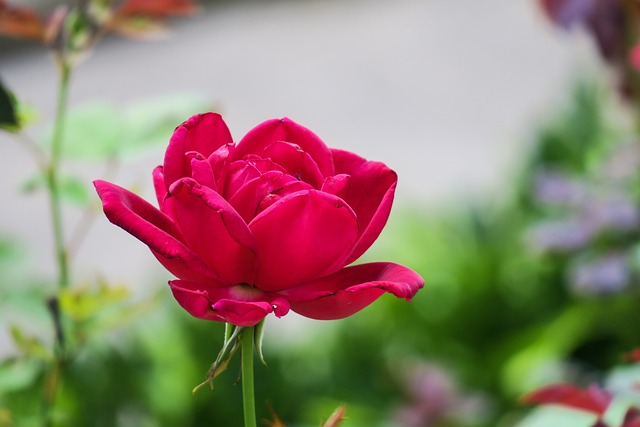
(266, 225)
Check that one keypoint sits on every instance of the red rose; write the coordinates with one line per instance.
(266, 225)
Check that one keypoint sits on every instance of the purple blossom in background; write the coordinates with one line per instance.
(592, 218)
(556, 188)
(562, 236)
(567, 13)
(603, 18)
(616, 213)
(434, 399)
(608, 274)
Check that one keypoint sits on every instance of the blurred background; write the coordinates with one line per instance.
(504, 131)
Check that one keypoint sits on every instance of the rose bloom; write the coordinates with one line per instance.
(266, 225)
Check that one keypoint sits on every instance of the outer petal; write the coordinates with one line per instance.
(239, 305)
(369, 191)
(203, 133)
(214, 230)
(352, 289)
(155, 229)
(300, 237)
(286, 130)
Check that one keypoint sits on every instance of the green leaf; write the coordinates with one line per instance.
(151, 123)
(258, 336)
(72, 188)
(18, 374)
(33, 184)
(81, 304)
(30, 346)
(8, 110)
(75, 190)
(231, 345)
(98, 131)
(92, 131)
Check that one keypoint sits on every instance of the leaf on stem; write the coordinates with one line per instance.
(83, 303)
(8, 110)
(30, 346)
(229, 348)
(258, 338)
(337, 417)
(72, 188)
(100, 130)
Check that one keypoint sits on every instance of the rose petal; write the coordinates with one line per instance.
(155, 229)
(300, 237)
(369, 191)
(631, 418)
(214, 230)
(156, 8)
(218, 161)
(286, 130)
(295, 161)
(195, 301)
(239, 305)
(333, 184)
(247, 200)
(280, 193)
(201, 171)
(202, 133)
(351, 289)
(592, 399)
(21, 22)
(238, 174)
(159, 187)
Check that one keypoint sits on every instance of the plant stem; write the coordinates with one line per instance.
(248, 397)
(53, 180)
(56, 371)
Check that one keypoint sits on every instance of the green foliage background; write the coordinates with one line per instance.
(499, 318)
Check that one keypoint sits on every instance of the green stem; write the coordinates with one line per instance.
(53, 180)
(56, 371)
(248, 397)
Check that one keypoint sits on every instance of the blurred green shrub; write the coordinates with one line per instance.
(500, 315)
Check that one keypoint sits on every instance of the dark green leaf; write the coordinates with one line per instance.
(8, 110)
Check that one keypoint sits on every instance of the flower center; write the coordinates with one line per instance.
(246, 292)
